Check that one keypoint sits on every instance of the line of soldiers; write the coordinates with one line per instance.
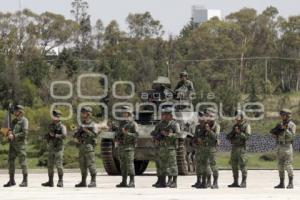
(165, 137)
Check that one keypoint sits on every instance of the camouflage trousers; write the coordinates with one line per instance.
(55, 159)
(126, 159)
(14, 152)
(87, 160)
(167, 161)
(285, 160)
(206, 161)
(238, 161)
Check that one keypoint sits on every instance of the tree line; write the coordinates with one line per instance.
(246, 53)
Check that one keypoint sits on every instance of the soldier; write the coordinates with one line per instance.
(87, 137)
(284, 134)
(184, 87)
(126, 139)
(206, 139)
(238, 137)
(17, 146)
(55, 139)
(166, 133)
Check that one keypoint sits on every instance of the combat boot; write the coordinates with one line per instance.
(235, 183)
(24, 181)
(82, 183)
(50, 181)
(169, 181)
(123, 183)
(203, 185)
(60, 182)
(11, 181)
(208, 183)
(131, 182)
(244, 182)
(291, 184)
(162, 183)
(215, 183)
(281, 185)
(174, 182)
(93, 181)
(198, 183)
(157, 182)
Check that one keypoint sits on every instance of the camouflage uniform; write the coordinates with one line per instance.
(184, 88)
(238, 152)
(55, 139)
(126, 147)
(206, 150)
(17, 148)
(284, 140)
(167, 151)
(87, 138)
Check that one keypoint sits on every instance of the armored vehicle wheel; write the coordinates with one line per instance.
(110, 164)
(140, 166)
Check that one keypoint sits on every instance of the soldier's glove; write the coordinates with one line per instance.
(52, 135)
(165, 133)
(125, 131)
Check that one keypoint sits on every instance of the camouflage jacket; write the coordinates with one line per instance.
(239, 139)
(59, 131)
(127, 141)
(173, 129)
(20, 129)
(206, 138)
(287, 136)
(87, 133)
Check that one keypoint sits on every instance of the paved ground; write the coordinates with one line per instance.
(260, 186)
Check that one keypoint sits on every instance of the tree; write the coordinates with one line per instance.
(144, 26)
(99, 34)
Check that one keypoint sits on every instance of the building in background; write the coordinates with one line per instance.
(201, 14)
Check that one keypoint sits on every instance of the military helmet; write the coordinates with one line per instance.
(127, 109)
(87, 109)
(167, 110)
(184, 73)
(56, 113)
(240, 113)
(19, 108)
(285, 111)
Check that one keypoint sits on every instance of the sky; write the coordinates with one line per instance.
(173, 14)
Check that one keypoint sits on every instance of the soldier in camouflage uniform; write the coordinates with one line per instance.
(284, 134)
(184, 87)
(206, 139)
(17, 146)
(166, 133)
(238, 137)
(87, 138)
(126, 139)
(55, 139)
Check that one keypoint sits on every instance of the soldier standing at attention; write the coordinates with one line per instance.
(184, 87)
(126, 139)
(87, 137)
(55, 139)
(238, 137)
(17, 146)
(166, 134)
(284, 135)
(206, 139)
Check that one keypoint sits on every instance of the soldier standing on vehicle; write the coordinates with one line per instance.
(284, 134)
(126, 139)
(17, 137)
(238, 137)
(87, 137)
(166, 134)
(55, 139)
(207, 139)
(184, 88)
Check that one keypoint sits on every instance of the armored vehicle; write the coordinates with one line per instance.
(147, 115)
